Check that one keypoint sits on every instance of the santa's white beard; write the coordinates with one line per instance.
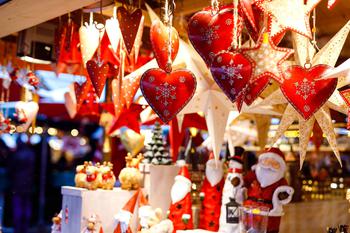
(214, 172)
(267, 176)
(179, 190)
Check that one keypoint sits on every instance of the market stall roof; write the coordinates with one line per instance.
(17, 15)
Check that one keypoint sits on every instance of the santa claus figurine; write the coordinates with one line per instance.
(211, 195)
(180, 211)
(125, 215)
(232, 189)
(267, 187)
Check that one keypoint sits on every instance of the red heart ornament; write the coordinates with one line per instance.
(232, 72)
(160, 38)
(98, 75)
(168, 93)
(254, 89)
(304, 91)
(211, 34)
(129, 24)
(81, 90)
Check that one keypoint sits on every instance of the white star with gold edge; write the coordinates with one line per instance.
(208, 97)
(211, 100)
(328, 55)
(266, 58)
(289, 14)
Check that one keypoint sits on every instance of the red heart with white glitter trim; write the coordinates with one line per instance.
(168, 93)
(304, 91)
(232, 72)
(255, 88)
(98, 75)
(211, 34)
(160, 38)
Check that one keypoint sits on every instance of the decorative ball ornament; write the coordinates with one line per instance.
(232, 72)
(98, 75)
(160, 41)
(168, 93)
(211, 34)
(267, 59)
(289, 15)
(304, 91)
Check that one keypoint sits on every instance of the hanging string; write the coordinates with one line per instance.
(314, 30)
(168, 19)
(100, 27)
(235, 26)
(214, 7)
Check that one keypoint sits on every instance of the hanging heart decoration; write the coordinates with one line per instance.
(70, 102)
(89, 39)
(160, 42)
(255, 88)
(168, 93)
(305, 91)
(130, 25)
(211, 34)
(69, 41)
(81, 91)
(113, 30)
(98, 75)
(232, 72)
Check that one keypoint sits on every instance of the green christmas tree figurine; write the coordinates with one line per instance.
(156, 152)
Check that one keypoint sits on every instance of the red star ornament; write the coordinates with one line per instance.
(289, 15)
(267, 59)
(128, 118)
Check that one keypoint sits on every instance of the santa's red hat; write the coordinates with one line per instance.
(184, 175)
(130, 205)
(127, 210)
(274, 153)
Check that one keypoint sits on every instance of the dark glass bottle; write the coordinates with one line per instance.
(344, 228)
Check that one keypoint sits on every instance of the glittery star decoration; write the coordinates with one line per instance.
(123, 97)
(288, 14)
(328, 55)
(267, 59)
(210, 100)
(128, 118)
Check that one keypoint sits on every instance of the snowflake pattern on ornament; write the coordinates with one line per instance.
(166, 93)
(231, 71)
(210, 34)
(305, 88)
